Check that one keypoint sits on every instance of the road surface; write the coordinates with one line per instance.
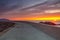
(23, 31)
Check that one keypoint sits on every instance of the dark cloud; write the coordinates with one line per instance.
(47, 2)
(8, 5)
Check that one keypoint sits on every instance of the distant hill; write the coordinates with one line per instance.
(5, 24)
(4, 20)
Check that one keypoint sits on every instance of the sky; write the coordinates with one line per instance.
(30, 9)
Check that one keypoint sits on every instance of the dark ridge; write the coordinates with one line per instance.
(5, 24)
(4, 20)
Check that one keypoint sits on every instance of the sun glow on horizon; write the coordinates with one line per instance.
(48, 15)
(41, 19)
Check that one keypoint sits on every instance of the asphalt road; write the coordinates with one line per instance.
(23, 31)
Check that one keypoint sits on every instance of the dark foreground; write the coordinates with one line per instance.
(31, 31)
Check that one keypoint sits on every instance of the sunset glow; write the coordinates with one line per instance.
(46, 17)
(30, 10)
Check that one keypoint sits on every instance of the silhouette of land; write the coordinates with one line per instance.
(4, 25)
(29, 30)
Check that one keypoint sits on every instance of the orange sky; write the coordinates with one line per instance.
(54, 16)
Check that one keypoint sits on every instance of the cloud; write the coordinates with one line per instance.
(52, 11)
(8, 5)
(43, 2)
(22, 8)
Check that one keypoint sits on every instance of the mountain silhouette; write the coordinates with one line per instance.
(4, 20)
